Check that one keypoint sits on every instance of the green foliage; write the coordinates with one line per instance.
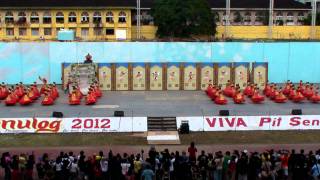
(308, 19)
(183, 18)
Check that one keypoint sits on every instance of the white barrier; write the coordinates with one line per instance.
(250, 123)
(69, 125)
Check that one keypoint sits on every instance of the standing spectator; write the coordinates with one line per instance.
(147, 174)
(192, 150)
(29, 167)
(226, 161)
(171, 168)
(254, 168)
(211, 166)
(81, 165)
(285, 164)
(231, 173)
(242, 167)
(6, 165)
(315, 171)
(203, 163)
(74, 170)
(218, 160)
(104, 168)
(137, 167)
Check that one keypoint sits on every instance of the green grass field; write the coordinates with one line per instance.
(206, 138)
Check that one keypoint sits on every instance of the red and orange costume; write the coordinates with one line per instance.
(308, 92)
(25, 100)
(11, 100)
(35, 90)
(298, 97)
(257, 98)
(97, 90)
(220, 99)
(315, 98)
(91, 98)
(287, 88)
(3, 92)
(229, 91)
(74, 98)
(280, 98)
(239, 98)
(47, 100)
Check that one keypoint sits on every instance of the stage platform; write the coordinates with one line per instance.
(154, 103)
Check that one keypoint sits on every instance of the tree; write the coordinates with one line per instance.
(308, 19)
(183, 18)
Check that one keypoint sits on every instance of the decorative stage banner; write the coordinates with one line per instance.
(122, 76)
(190, 76)
(139, 76)
(66, 70)
(207, 75)
(156, 76)
(173, 76)
(105, 76)
(72, 125)
(224, 74)
(260, 74)
(241, 73)
(251, 123)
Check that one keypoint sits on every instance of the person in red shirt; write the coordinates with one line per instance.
(284, 164)
(192, 150)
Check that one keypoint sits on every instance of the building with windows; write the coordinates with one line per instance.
(104, 20)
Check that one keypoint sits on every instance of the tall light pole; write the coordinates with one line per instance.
(138, 17)
(313, 19)
(227, 18)
(271, 7)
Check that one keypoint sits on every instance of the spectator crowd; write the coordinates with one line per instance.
(154, 165)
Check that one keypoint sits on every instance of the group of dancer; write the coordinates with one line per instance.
(297, 94)
(26, 95)
(304, 91)
(218, 95)
(94, 93)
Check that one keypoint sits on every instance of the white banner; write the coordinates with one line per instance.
(69, 125)
(251, 123)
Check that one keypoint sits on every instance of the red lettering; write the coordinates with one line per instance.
(212, 122)
(264, 120)
(315, 122)
(5, 122)
(241, 122)
(231, 124)
(306, 122)
(295, 121)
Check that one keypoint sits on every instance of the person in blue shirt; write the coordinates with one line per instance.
(147, 173)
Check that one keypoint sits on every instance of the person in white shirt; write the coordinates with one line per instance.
(104, 167)
(74, 169)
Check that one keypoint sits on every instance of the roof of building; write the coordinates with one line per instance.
(278, 4)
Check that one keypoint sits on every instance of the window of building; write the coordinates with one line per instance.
(279, 18)
(290, 18)
(85, 17)
(247, 17)
(72, 17)
(34, 17)
(109, 31)
(10, 32)
(97, 17)
(35, 31)
(47, 31)
(59, 18)
(84, 32)
(146, 18)
(47, 18)
(9, 17)
(22, 31)
(259, 17)
(97, 31)
(22, 17)
(109, 17)
(122, 17)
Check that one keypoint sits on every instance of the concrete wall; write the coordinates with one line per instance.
(26, 61)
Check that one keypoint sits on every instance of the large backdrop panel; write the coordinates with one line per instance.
(286, 60)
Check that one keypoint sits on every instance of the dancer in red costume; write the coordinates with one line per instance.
(273, 92)
(210, 86)
(25, 100)
(44, 85)
(229, 91)
(212, 92)
(293, 93)
(248, 90)
(91, 98)
(238, 98)
(35, 90)
(287, 88)
(316, 96)
(308, 91)
(97, 90)
(257, 98)
(11, 99)
(47, 100)
(280, 97)
(32, 95)
(55, 90)
(266, 88)
(19, 90)
(269, 89)
(4, 92)
(78, 92)
(298, 97)
(74, 98)
(221, 100)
